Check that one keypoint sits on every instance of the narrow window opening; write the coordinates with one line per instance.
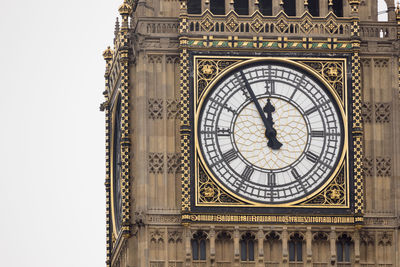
(313, 7)
(241, 7)
(247, 247)
(343, 248)
(194, 6)
(217, 7)
(382, 11)
(338, 7)
(289, 6)
(199, 246)
(296, 248)
(265, 7)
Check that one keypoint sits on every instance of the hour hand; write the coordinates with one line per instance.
(270, 131)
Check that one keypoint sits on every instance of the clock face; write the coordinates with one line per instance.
(270, 133)
(116, 166)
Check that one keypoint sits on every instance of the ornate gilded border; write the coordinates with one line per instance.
(209, 192)
(117, 62)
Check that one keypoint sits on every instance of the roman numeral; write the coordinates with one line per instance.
(295, 174)
(223, 132)
(269, 88)
(248, 171)
(271, 179)
(317, 133)
(230, 155)
(311, 157)
(311, 110)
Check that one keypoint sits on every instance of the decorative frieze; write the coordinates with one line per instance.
(156, 163)
(383, 166)
(382, 112)
(155, 108)
(173, 163)
(173, 106)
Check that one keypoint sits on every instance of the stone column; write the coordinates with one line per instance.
(332, 238)
(260, 239)
(236, 248)
(188, 251)
(323, 8)
(356, 248)
(299, 7)
(212, 245)
(275, 7)
(308, 247)
(285, 253)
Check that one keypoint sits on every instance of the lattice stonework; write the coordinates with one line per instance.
(357, 134)
(185, 130)
(125, 10)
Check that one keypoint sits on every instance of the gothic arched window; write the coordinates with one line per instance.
(313, 7)
(343, 244)
(289, 6)
(338, 7)
(217, 7)
(265, 7)
(194, 6)
(247, 247)
(199, 246)
(296, 248)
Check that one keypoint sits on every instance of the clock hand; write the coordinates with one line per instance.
(270, 132)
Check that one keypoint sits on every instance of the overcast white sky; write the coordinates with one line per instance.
(52, 200)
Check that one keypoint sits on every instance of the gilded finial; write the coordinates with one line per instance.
(330, 4)
(108, 54)
(125, 8)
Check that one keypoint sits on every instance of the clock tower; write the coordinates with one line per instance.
(253, 133)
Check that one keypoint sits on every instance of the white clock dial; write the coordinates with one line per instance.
(270, 133)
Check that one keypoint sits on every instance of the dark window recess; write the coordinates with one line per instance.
(217, 7)
(289, 6)
(265, 7)
(296, 248)
(199, 246)
(313, 7)
(338, 7)
(241, 7)
(247, 247)
(343, 248)
(194, 6)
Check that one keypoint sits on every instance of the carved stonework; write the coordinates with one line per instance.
(368, 166)
(173, 107)
(381, 63)
(157, 236)
(366, 111)
(320, 237)
(175, 236)
(385, 239)
(154, 59)
(173, 163)
(155, 108)
(172, 59)
(156, 162)
(382, 112)
(383, 166)
(366, 238)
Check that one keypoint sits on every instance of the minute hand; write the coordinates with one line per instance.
(270, 132)
(267, 124)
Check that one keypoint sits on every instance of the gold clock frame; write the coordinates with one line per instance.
(199, 162)
(324, 193)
